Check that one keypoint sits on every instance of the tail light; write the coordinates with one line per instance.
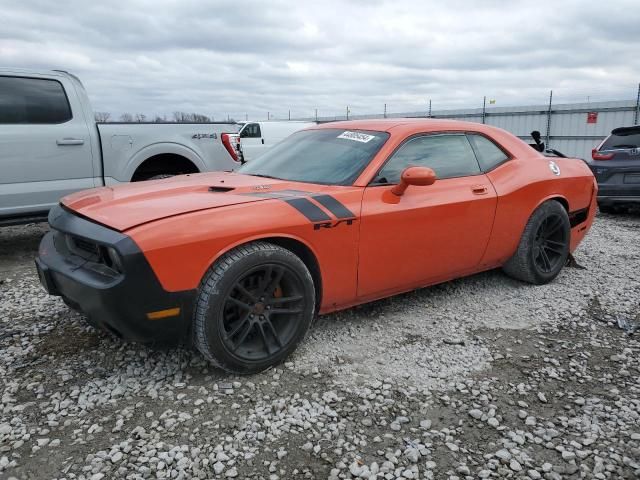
(226, 141)
(596, 155)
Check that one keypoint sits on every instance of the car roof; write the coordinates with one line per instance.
(623, 131)
(405, 125)
(30, 71)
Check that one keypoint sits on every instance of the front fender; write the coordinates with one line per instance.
(255, 238)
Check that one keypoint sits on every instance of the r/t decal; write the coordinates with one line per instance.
(318, 226)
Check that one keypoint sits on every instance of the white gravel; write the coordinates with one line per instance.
(483, 377)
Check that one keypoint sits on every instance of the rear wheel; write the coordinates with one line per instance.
(254, 306)
(160, 176)
(544, 245)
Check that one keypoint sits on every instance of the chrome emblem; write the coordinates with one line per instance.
(262, 187)
(555, 169)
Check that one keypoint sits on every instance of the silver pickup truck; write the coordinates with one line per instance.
(50, 145)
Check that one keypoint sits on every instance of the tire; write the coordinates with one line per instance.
(254, 306)
(546, 235)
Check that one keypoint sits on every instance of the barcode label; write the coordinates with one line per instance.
(356, 136)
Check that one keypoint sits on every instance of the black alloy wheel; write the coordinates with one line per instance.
(261, 312)
(544, 245)
(254, 306)
(550, 244)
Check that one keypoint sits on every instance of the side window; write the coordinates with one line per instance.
(251, 130)
(448, 155)
(32, 100)
(488, 153)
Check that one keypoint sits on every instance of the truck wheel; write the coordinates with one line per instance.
(544, 246)
(253, 307)
(162, 175)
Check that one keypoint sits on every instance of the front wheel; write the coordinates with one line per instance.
(254, 306)
(544, 245)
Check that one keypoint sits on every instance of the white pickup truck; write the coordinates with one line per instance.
(50, 145)
(256, 138)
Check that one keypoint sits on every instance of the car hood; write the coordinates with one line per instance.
(122, 207)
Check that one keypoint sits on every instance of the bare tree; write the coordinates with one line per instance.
(102, 116)
(126, 117)
(179, 117)
(183, 117)
(160, 119)
(140, 117)
(199, 118)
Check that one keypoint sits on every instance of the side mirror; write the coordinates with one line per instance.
(419, 176)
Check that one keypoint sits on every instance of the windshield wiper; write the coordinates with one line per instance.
(262, 175)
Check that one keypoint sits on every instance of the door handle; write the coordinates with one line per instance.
(479, 190)
(69, 141)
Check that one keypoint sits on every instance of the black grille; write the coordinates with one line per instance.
(85, 246)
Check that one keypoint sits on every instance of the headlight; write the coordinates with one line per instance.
(114, 259)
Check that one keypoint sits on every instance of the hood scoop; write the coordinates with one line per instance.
(221, 189)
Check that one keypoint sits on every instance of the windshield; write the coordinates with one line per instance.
(326, 156)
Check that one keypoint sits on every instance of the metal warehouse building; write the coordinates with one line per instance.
(572, 128)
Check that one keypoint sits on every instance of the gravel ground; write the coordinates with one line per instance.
(483, 377)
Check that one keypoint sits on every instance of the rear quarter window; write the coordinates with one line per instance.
(33, 100)
(488, 153)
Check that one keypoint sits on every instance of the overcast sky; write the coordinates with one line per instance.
(248, 57)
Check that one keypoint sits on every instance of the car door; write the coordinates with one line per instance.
(251, 141)
(45, 147)
(430, 233)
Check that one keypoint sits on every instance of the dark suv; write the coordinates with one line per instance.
(616, 166)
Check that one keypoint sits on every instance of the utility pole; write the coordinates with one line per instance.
(548, 136)
(347, 112)
(267, 115)
(289, 115)
(316, 114)
(246, 117)
(429, 108)
(636, 117)
(484, 108)
(385, 110)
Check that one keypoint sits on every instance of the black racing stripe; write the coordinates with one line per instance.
(308, 209)
(334, 206)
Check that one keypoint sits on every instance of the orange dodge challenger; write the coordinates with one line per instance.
(337, 215)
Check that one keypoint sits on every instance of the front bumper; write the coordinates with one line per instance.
(118, 301)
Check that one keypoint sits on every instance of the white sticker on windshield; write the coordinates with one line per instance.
(357, 136)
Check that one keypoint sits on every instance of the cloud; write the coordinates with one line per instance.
(251, 57)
